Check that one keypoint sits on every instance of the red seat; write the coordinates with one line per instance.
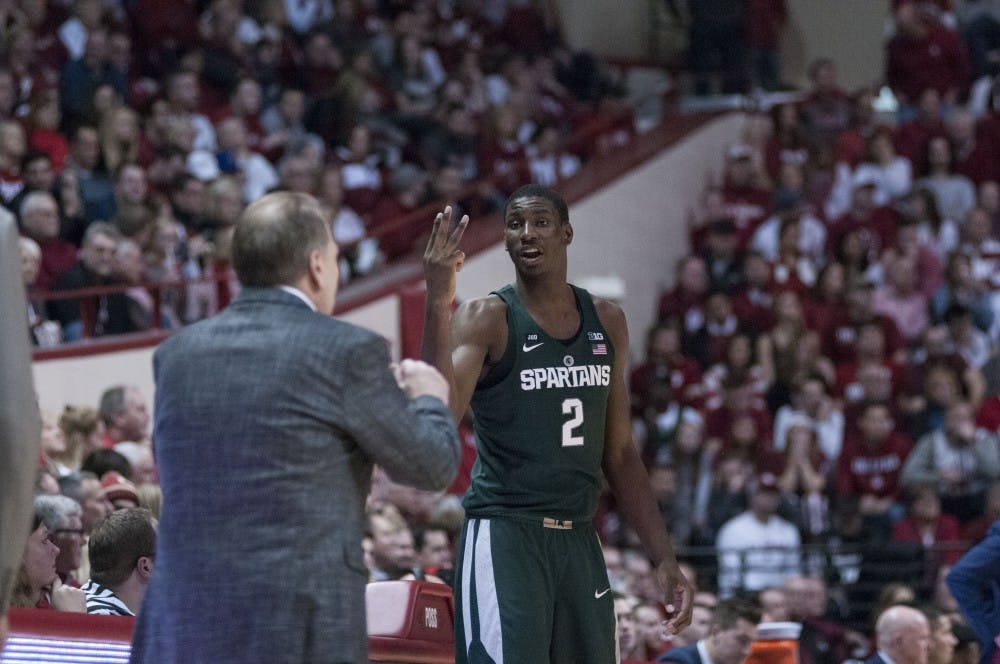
(410, 621)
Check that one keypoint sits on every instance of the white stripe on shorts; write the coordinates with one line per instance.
(487, 605)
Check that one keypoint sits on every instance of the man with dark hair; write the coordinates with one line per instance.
(542, 363)
(102, 314)
(122, 549)
(301, 407)
(85, 488)
(125, 415)
(730, 635)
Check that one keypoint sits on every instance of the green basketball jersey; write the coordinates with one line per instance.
(539, 419)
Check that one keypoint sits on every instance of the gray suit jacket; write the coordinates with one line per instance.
(268, 418)
(20, 424)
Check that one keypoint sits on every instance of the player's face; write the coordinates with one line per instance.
(534, 235)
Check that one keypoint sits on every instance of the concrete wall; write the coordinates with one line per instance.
(849, 31)
(633, 230)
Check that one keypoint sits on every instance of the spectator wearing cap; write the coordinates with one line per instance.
(119, 491)
(121, 551)
(757, 549)
(63, 518)
(722, 257)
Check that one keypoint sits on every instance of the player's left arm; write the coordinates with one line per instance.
(629, 480)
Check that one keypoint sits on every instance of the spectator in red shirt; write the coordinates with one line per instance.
(924, 54)
(877, 224)
(685, 301)
(925, 525)
(840, 337)
(871, 376)
(912, 136)
(869, 468)
(976, 156)
(763, 23)
(40, 218)
(744, 200)
(665, 363)
(754, 302)
(826, 300)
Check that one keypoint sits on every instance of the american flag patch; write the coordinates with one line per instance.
(599, 349)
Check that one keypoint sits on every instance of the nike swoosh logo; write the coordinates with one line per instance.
(527, 349)
(599, 595)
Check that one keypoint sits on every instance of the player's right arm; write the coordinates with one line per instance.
(459, 345)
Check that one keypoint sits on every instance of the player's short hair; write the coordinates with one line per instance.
(539, 191)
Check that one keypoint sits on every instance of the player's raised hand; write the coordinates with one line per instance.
(443, 258)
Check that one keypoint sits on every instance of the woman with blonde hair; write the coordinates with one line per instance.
(119, 135)
(83, 431)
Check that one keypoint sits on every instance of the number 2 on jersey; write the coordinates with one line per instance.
(574, 408)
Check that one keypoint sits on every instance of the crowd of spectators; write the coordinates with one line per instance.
(820, 389)
(132, 134)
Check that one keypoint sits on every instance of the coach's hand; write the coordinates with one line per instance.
(417, 378)
(678, 593)
(442, 258)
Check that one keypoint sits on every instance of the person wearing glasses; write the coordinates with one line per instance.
(63, 517)
(37, 585)
(122, 549)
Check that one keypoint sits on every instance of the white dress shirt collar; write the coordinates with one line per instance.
(299, 294)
